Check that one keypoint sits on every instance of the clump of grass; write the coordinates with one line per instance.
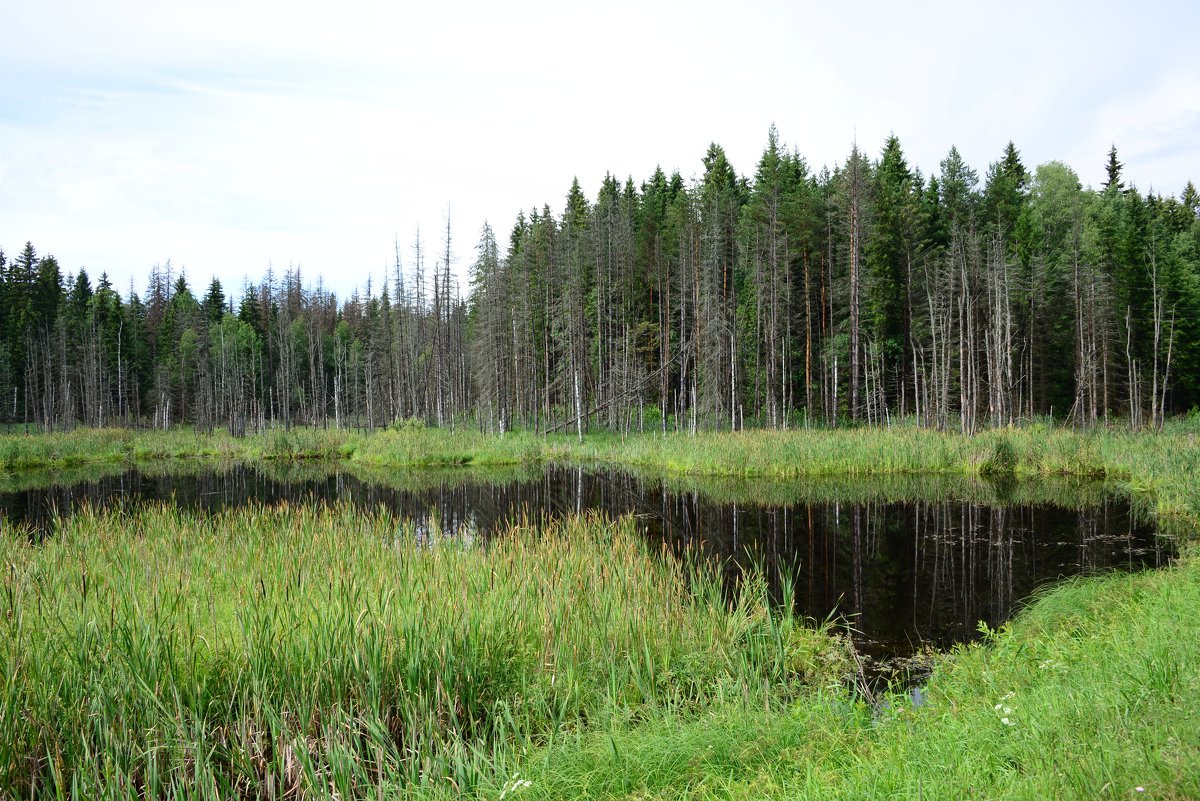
(417, 446)
(1002, 462)
(301, 443)
(86, 446)
(316, 651)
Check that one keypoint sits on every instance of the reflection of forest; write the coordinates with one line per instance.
(931, 570)
(906, 562)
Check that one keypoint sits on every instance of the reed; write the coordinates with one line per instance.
(280, 652)
(1090, 693)
(89, 446)
(1155, 467)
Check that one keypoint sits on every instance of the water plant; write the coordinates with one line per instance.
(283, 650)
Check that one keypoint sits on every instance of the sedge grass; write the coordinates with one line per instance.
(1092, 692)
(319, 652)
(1157, 467)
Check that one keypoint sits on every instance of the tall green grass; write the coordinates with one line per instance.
(118, 445)
(1093, 692)
(1150, 464)
(318, 652)
(1158, 469)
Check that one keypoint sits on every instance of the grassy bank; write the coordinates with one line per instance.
(1157, 467)
(1091, 693)
(320, 652)
(1063, 491)
(87, 446)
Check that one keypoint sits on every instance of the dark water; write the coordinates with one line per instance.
(905, 576)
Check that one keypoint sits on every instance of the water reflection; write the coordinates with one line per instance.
(923, 572)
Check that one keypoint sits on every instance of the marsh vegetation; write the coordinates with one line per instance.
(214, 637)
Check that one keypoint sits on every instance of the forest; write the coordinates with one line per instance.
(868, 293)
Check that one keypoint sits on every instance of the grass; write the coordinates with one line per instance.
(1064, 491)
(1161, 465)
(316, 651)
(1154, 467)
(1091, 693)
(89, 446)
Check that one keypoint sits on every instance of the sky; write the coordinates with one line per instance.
(229, 137)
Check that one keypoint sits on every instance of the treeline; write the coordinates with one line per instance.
(868, 293)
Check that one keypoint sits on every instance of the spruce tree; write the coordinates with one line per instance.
(889, 253)
(214, 301)
(1113, 170)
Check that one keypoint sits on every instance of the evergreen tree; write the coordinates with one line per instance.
(889, 261)
(1112, 170)
(1004, 195)
(714, 302)
(214, 301)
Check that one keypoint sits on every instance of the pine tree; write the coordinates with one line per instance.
(721, 198)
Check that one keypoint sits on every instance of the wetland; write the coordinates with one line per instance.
(905, 566)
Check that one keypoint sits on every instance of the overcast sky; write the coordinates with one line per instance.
(227, 136)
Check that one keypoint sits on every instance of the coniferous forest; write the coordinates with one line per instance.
(867, 293)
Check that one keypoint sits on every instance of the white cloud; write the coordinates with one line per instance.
(226, 136)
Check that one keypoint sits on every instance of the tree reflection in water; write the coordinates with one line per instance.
(905, 574)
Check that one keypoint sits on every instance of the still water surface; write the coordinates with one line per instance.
(904, 575)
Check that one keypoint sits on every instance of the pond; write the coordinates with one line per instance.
(908, 564)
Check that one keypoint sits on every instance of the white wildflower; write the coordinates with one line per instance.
(515, 785)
